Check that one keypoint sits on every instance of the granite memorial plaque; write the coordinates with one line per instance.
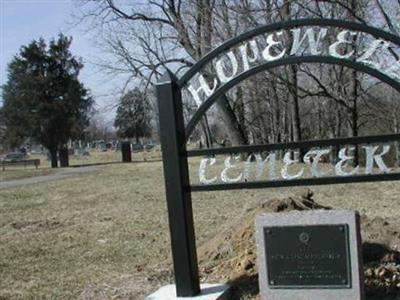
(309, 255)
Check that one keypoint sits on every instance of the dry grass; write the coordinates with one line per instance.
(96, 157)
(105, 234)
(58, 238)
(21, 172)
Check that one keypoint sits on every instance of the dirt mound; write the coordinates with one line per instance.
(231, 254)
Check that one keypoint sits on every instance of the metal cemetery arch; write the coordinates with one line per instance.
(283, 62)
(174, 135)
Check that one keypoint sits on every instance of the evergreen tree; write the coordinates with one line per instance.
(2, 128)
(43, 97)
(133, 116)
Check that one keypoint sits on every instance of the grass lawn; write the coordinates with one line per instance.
(21, 172)
(96, 157)
(104, 235)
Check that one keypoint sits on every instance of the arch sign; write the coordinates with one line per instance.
(273, 165)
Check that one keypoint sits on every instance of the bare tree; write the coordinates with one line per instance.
(274, 106)
(167, 34)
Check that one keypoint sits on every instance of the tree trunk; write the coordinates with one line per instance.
(354, 116)
(53, 157)
(294, 100)
(336, 134)
(234, 130)
(208, 131)
(293, 86)
(396, 127)
(241, 110)
(354, 94)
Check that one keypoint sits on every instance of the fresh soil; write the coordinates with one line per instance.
(231, 254)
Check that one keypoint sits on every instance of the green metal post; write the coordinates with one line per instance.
(176, 174)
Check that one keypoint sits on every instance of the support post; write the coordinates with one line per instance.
(176, 175)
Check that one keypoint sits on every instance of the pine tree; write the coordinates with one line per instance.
(43, 98)
(133, 116)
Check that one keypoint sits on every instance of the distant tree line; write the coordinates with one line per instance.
(291, 103)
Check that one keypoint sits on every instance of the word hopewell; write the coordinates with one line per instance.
(274, 46)
(256, 163)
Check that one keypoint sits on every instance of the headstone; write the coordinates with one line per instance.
(310, 255)
(126, 152)
(63, 156)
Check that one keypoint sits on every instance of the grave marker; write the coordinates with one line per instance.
(310, 255)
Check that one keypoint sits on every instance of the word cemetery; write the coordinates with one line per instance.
(255, 165)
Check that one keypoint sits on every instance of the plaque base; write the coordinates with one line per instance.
(310, 255)
(208, 292)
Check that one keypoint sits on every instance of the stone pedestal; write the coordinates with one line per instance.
(313, 255)
(208, 292)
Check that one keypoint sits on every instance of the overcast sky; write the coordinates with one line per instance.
(25, 20)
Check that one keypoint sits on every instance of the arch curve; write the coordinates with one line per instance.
(283, 62)
(285, 25)
(228, 45)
